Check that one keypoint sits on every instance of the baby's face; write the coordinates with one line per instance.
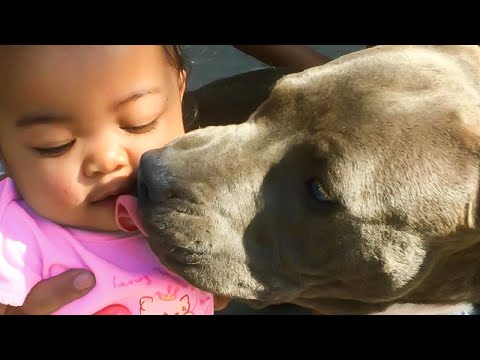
(74, 121)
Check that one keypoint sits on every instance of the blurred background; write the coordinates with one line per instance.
(211, 62)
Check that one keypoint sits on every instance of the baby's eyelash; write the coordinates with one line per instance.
(55, 151)
(62, 149)
(143, 128)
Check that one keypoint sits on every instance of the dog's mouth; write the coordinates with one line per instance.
(171, 223)
(171, 230)
(192, 254)
(192, 238)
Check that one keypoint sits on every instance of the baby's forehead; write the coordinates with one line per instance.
(34, 52)
(19, 62)
(77, 55)
(65, 48)
(42, 76)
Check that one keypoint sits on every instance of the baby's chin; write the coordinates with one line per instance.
(120, 215)
(89, 220)
(84, 216)
(103, 226)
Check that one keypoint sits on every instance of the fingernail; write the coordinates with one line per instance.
(83, 281)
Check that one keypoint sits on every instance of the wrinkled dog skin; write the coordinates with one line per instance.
(352, 188)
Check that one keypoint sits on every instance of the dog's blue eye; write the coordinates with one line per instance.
(315, 189)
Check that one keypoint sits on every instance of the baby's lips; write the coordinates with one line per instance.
(126, 215)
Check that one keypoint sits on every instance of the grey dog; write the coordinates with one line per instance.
(352, 189)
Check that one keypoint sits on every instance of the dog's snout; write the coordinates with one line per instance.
(142, 190)
(153, 183)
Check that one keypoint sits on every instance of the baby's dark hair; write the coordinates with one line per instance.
(176, 57)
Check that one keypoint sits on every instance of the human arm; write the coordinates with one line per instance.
(297, 56)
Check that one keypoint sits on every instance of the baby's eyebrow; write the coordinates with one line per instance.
(40, 119)
(137, 94)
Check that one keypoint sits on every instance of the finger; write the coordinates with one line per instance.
(220, 302)
(51, 294)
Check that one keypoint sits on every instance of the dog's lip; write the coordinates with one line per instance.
(112, 188)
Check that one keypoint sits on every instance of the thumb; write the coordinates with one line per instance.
(52, 294)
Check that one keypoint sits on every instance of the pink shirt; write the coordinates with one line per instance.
(129, 278)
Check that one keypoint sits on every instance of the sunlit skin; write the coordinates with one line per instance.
(75, 120)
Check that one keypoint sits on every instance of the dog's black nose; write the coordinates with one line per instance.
(153, 183)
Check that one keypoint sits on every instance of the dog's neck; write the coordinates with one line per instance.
(454, 276)
(450, 284)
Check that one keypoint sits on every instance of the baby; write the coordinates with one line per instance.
(74, 121)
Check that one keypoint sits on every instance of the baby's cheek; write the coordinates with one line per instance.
(65, 191)
(70, 196)
(135, 159)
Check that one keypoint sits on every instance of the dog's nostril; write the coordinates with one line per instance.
(154, 192)
(154, 179)
(143, 192)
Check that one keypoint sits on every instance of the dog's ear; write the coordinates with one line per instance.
(230, 100)
(473, 208)
(472, 220)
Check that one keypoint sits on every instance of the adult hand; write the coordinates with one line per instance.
(51, 294)
(220, 302)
